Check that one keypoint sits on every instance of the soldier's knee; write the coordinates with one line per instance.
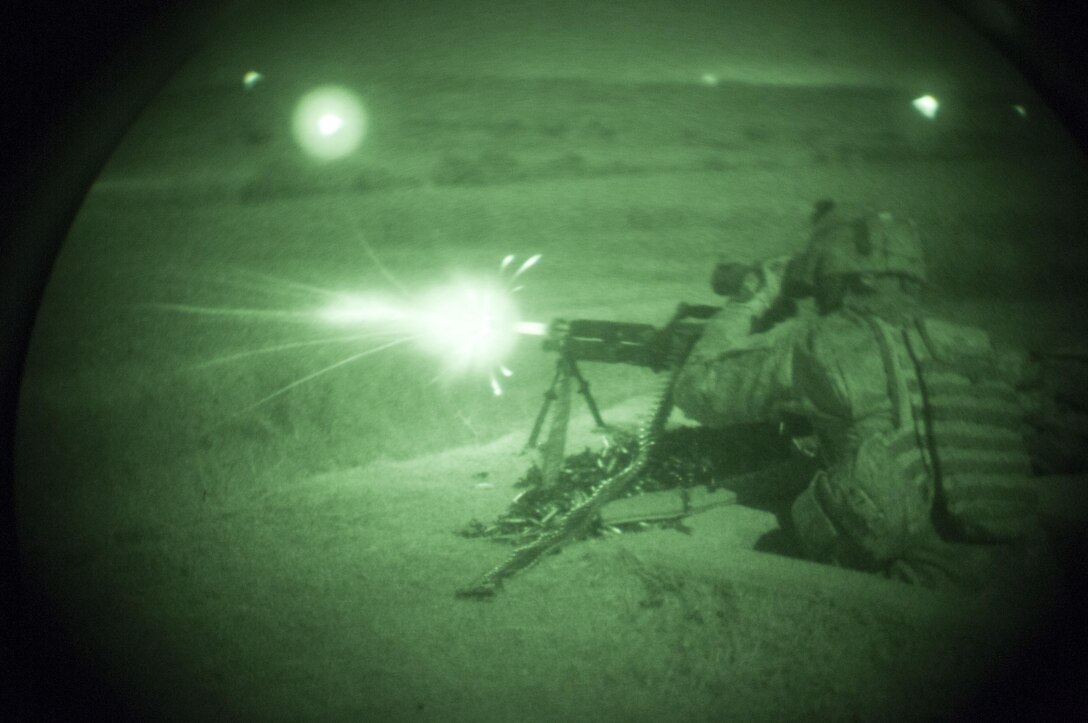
(971, 567)
(840, 522)
(815, 531)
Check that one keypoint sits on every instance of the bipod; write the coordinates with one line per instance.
(565, 370)
(559, 393)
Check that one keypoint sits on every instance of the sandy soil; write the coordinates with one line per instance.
(332, 597)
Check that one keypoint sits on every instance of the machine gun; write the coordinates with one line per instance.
(659, 349)
(613, 342)
(641, 345)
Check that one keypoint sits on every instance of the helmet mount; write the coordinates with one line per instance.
(861, 243)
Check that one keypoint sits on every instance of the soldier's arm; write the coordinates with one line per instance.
(736, 377)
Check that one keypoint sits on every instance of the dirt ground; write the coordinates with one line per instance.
(332, 597)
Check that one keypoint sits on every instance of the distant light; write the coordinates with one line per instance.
(329, 122)
(927, 105)
(1020, 110)
(710, 79)
(250, 79)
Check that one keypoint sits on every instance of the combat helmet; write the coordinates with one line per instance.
(857, 241)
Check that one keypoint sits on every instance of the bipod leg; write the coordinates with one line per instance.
(583, 389)
(549, 397)
(553, 451)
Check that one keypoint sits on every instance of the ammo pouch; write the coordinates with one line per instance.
(969, 422)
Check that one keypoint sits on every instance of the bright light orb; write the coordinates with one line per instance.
(329, 122)
(250, 79)
(927, 105)
(470, 326)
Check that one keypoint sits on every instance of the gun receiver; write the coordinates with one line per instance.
(619, 342)
(611, 342)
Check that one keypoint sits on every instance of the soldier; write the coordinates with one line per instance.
(924, 473)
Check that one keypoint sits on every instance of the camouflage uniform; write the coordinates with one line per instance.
(925, 475)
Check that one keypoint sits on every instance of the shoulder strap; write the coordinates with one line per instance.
(893, 371)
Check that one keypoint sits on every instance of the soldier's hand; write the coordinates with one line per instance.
(773, 272)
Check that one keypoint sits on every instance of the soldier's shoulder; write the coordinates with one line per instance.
(835, 338)
(838, 329)
(951, 340)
